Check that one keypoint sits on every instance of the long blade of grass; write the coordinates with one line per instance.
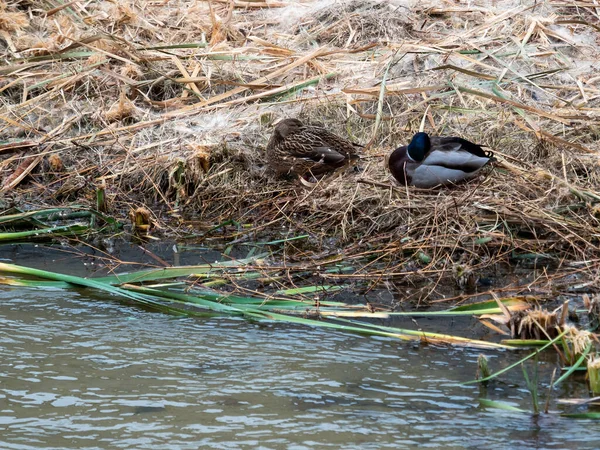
(44, 233)
(574, 367)
(435, 337)
(500, 405)
(506, 369)
(587, 415)
(380, 100)
(475, 308)
(176, 272)
(86, 282)
(309, 290)
(54, 214)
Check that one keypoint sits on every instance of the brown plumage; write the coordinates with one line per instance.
(295, 148)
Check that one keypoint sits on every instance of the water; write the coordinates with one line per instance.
(81, 372)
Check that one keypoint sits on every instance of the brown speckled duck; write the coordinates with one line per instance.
(295, 148)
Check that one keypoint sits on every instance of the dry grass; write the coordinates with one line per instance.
(112, 91)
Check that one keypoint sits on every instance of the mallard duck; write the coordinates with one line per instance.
(432, 161)
(295, 148)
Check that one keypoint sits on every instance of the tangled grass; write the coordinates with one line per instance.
(170, 104)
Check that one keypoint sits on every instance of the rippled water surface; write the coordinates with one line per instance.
(91, 373)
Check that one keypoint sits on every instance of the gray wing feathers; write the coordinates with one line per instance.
(459, 160)
(429, 176)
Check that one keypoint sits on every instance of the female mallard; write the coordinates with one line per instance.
(300, 149)
(432, 161)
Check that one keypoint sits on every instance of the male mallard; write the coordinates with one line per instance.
(431, 161)
(301, 149)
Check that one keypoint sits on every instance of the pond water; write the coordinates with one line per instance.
(83, 371)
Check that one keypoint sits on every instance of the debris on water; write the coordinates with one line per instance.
(536, 324)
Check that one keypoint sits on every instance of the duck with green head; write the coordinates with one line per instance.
(296, 148)
(430, 161)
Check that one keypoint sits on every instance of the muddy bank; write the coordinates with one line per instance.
(169, 107)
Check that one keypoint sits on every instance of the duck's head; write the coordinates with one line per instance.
(287, 127)
(419, 146)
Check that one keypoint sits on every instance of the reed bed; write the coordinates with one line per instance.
(168, 106)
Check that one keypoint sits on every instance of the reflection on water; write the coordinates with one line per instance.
(77, 372)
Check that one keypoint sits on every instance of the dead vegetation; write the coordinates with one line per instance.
(170, 104)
